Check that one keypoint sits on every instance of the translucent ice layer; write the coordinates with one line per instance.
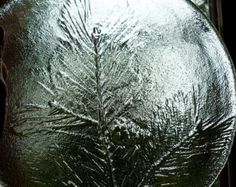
(114, 93)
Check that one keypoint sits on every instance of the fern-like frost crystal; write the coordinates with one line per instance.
(117, 93)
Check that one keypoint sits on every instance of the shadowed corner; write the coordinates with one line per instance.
(2, 2)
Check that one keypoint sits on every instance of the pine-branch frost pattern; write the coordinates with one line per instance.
(98, 98)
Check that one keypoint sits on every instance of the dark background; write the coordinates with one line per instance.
(2, 2)
(228, 176)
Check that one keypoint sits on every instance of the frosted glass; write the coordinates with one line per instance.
(114, 93)
(203, 5)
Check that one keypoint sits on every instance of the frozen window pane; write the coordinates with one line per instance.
(114, 93)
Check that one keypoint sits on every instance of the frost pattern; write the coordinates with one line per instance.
(116, 133)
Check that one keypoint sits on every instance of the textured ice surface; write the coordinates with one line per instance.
(115, 93)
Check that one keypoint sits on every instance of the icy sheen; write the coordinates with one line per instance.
(115, 93)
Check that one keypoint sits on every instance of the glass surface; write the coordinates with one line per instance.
(203, 5)
(114, 93)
